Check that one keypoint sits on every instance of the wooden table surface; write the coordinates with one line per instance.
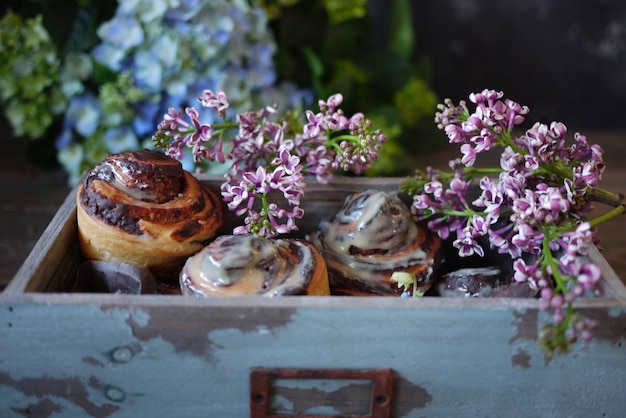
(31, 195)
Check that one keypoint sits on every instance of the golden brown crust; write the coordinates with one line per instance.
(126, 221)
(318, 285)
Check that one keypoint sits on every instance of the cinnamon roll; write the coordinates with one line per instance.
(373, 236)
(142, 208)
(237, 265)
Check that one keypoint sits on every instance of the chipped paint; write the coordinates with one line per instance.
(170, 325)
(613, 325)
(119, 361)
(46, 388)
(44, 408)
(417, 396)
(93, 361)
(525, 325)
(521, 359)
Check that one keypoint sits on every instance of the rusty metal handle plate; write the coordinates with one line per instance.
(353, 393)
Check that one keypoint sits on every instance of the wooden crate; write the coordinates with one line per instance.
(101, 355)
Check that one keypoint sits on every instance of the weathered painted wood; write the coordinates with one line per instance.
(54, 257)
(64, 354)
(163, 359)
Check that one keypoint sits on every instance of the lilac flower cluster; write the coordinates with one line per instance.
(532, 207)
(269, 157)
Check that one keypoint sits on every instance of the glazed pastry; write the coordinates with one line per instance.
(373, 236)
(142, 208)
(238, 265)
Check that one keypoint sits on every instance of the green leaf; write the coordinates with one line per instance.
(82, 30)
(103, 74)
(404, 279)
(73, 24)
(342, 10)
(316, 66)
(401, 35)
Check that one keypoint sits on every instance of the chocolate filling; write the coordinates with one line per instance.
(147, 170)
(112, 213)
(145, 175)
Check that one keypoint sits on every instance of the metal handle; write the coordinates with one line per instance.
(307, 386)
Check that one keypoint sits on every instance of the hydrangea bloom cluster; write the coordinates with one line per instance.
(269, 156)
(29, 63)
(533, 207)
(155, 54)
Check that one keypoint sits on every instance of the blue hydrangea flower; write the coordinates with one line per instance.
(123, 31)
(109, 55)
(173, 50)
(120, 139)
(148, 71)
(83, 114)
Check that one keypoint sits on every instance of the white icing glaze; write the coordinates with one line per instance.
(377, 221)
(371, 220)
(237, 265)
(119, 180)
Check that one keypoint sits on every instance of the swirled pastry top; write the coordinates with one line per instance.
(128, 188)
(372, 236)
(237, 265)
(370, 222)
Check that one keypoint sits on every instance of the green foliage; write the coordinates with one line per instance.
(402, 38)
(382, 78)
(342, 10)
(30, 65)
(118, 96)
(337, 10)
(273, 8)
(71, 24)
(35, 37)
(415, 101)
(326, 45)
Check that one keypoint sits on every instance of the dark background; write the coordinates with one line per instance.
(566, 60)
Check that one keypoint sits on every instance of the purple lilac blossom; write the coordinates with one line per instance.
(266, 155)
(537, 199)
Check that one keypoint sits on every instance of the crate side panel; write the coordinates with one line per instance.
(614, 285)
(190, 361)
(51, 264)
